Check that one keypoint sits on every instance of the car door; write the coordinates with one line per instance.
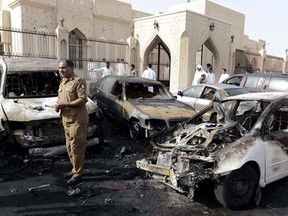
(205, 98)
(255, 83)
(191, 95)
(276, 84)
(275, 136)
(117, 101)
(105, 98)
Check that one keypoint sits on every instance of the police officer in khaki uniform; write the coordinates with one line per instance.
(72, 98)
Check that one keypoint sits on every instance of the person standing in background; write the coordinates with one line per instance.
(210, 75)
(120, 67)
(134, 72)
(107, 70)
(72, 97)
(103, 63)
(208, 65)
(149, 73)
(224, 75)
(198, 73)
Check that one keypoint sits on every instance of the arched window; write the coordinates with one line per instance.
(76, 46)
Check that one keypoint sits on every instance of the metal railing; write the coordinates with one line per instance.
(28, 43)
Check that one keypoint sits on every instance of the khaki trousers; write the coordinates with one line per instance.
(76, 138)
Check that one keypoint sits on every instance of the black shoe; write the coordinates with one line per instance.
(67, 175)
(74, 180)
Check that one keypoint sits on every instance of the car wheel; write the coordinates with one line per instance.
(10, 146)
(237, 189)
(135, 130)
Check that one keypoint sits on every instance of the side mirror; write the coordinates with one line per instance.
(180, 93)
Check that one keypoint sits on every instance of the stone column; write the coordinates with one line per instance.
(62, 41)
(132, 42)
(263, 58)
(231, 57)
(5, 36)
(285, 62)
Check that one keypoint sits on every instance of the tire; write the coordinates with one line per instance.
(135, 130)
(9, 146)
(237, 189)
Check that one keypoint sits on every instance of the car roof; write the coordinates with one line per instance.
(220, 86)
(15, 64)
(268, 74)
(133, 79)
(263, 96)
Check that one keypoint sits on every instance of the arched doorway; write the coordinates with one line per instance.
(209, 54)
(158, 54)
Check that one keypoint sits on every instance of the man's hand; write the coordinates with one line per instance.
(59, 106)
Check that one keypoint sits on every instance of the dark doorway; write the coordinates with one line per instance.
(158, 55)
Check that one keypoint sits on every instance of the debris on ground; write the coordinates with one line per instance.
(108, 200)
(73, 191)
(15, 190)
(38, 187)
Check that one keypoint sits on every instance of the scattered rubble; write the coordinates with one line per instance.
(108, 200)
(73, 191)
(38, 187)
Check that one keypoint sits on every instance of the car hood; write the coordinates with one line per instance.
(164, 109)
(27, 109)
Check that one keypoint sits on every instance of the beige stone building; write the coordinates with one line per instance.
(89, 31)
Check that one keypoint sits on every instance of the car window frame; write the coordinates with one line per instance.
(207, 90)
(268, 86)
(103, 84)
(188, 92)
(234, 77)
(260, 80)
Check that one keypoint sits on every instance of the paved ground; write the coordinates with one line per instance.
(112, 186)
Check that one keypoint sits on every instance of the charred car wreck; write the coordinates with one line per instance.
(146, 106)
(29, 89)
(240, 151)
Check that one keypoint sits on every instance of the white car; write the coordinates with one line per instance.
(28, 91)
(202, 95)
(242, 152)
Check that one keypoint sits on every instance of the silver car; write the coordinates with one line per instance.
(202, 95)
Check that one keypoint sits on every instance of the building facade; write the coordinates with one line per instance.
(91, 32)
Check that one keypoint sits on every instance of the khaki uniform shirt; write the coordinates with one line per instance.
(70, 90)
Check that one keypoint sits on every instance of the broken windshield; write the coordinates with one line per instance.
(32, 84)
(146, 91)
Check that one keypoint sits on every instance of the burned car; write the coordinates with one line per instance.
(243, 150)
(29, 89)
(146, 106)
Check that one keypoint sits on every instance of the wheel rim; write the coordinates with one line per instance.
(241, 186)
